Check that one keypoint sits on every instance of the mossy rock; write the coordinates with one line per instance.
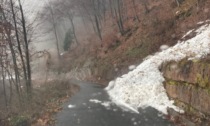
(202, 81)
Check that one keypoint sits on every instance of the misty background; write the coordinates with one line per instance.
(43, 37)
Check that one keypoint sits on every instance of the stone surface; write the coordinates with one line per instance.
(195, 97)
(188, 81)
(193, 72)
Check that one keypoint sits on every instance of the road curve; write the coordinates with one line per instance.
(80, 111)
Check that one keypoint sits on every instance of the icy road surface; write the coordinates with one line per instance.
(91, 107)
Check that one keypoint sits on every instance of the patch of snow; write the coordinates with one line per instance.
(135, 123)
(143, 87)
(71, 106)
(201, 22)
(132, 67)
(148, 57)
(189, 32)
(201, 29)
(207, 20)
(95, 101)
(111, 85)
(164, 47)
(106, 104)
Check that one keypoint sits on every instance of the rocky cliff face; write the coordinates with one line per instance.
(188, 83)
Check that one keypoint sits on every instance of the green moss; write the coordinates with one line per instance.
(195, 61)
(19, 121)
(203, 66)
(186, 84)
(202, 82)
(208, 90)
(171, 82)
(192, 110)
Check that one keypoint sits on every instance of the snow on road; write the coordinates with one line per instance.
(143, 87)
(71, 106)
(106, 104)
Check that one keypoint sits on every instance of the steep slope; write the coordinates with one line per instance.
(143, 86)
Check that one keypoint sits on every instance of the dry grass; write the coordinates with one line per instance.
(45, 103)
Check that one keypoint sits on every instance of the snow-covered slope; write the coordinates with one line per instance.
(143, 87)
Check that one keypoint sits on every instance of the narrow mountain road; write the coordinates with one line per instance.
(86, 108)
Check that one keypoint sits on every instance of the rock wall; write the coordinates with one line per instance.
(188, 82)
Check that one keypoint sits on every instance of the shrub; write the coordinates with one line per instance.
(19, 121)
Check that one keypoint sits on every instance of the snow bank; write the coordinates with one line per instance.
(143, 86)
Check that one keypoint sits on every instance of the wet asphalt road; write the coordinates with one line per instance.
(86, 113)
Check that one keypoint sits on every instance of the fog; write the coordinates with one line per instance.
(43, 37)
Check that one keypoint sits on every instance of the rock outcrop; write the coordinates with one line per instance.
(188, 81)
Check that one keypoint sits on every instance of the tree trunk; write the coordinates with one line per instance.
(111, 8)
(3, 79)
(135, 12)
(17, 79)
(56, 35)
(29, 83)
(73, 27)
(97, 27)
(118, 15)
(19, 44)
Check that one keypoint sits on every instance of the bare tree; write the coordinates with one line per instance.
(18, 41)
(29, 83)
(8, 31)
(66, 9)
(135, 10)
(17, 47)
(118, 15)
(52, 18)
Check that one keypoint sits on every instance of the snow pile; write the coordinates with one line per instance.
(143, 86)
